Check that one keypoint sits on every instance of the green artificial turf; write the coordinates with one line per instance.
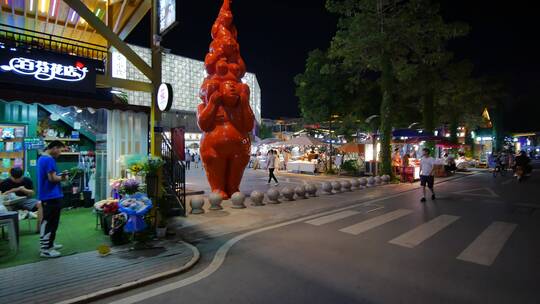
(77, 232)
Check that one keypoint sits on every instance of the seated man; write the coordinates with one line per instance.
(21, 186)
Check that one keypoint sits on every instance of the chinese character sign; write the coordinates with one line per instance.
(51, 71)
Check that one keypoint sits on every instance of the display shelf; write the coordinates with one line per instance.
(61, 139)
(69, 154)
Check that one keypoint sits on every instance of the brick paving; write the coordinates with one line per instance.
(55, 280)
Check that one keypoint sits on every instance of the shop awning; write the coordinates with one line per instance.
(102, 99)
(352, 148)
(303, 141)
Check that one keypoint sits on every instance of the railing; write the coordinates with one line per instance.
(174, 172)
(13, 36)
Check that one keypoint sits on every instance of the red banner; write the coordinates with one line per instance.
(179, 142)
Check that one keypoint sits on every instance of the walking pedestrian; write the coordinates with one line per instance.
(271, 166)
(188, 160)
(50, 194)
(426, 173)
(197, 160)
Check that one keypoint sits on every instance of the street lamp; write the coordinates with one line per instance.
(374, 143)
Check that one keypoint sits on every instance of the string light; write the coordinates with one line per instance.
(54, 8)
(43, 4)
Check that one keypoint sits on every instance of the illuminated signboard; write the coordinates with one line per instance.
(47, 70)
(167, 15)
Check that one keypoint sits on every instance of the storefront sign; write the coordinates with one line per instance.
(167, 15)
(164, 97)
(47, 70)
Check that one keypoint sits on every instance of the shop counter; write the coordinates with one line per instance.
(301, 166)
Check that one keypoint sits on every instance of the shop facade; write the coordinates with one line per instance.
(45, 96)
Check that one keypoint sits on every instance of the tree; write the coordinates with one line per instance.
(392, 38)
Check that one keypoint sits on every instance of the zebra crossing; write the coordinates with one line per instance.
(482, 251)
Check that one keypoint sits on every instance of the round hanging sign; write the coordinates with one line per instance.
(164, 97)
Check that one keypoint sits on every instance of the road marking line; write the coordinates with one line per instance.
(221, 254)
(423, 232)
(358, 228)
(468, 192)
(507, 182)
(486, 247)
(332, 218)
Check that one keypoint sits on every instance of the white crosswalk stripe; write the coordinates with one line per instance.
(332, 217)
(423, 232)
(376, 221)
(487, 246)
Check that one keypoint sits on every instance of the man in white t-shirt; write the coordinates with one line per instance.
(426, 174)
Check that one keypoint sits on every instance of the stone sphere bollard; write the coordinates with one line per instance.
(346, 185)
(355, 183)
(288, 193)
(256, 198)
(336, 186)
(273, 196)
(370, 182)
(386, 179)
(311, 189)
(327, 187)
(378, 180)
(215, 200)
(238, 199)
(363, 182)
(197, 204)
(300, 192)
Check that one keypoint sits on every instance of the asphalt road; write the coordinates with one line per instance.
(477, 243)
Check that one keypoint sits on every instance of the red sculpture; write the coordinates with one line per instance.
(224, 115)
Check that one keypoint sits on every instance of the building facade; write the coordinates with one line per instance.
(186, 77)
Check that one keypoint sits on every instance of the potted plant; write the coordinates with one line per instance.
(150, 168)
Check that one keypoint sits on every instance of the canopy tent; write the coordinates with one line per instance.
(352, 148)
(303, 141)
(267, 141)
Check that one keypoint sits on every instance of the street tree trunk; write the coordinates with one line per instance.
(386, 115)
(429, 117)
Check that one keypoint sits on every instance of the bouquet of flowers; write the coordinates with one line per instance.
(152, 164)
(116, 185)
(130, 186)
(135, 207)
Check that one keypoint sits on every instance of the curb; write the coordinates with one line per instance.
(138, 283)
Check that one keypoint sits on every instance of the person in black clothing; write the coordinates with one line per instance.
(523, 161)
(22, 186)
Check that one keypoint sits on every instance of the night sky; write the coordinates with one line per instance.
(275, 37)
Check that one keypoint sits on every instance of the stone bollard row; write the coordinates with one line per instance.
(257, 198)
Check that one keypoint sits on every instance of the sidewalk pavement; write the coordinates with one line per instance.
(81, 277)
(212, 224)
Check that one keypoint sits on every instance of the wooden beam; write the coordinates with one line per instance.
(132, 85)
(135, 18)
(111, 37)
(120, 14)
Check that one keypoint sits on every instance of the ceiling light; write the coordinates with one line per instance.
(91, 110)
(78, 110)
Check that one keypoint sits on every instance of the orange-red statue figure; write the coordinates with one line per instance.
(224, 115)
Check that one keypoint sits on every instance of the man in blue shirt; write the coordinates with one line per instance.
(50, 194)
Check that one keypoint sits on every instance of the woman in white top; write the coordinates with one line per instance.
(271, 166)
